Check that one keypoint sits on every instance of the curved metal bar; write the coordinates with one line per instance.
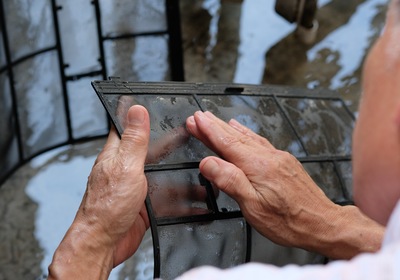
(11, 81)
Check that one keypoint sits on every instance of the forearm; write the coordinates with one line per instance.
(345, 232)
(80, 256)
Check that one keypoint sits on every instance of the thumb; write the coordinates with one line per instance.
(227, 177)
(135, 138)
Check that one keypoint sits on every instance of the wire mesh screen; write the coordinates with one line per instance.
(50, 51)
(191, 223)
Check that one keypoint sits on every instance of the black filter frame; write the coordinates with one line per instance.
(149, 95)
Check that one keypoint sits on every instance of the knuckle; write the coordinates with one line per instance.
(228, 141)
(231, 141)
(286, 156)
(283, 157)
(274, 162)
(134, 136)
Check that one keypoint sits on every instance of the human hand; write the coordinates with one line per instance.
(276, 195)
(112, 218)
(176, 194)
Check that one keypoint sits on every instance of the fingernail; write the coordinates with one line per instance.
(136, 115)
(190, 120)
(209, 114)
(200, 115)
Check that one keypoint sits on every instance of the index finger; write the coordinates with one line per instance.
(222, 138)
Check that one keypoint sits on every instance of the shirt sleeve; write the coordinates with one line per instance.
(392, 234)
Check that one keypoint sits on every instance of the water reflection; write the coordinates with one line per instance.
(57, 199)
(259, 47)
(46, 194)
(136, 58)
(350, 42)
(335, 61)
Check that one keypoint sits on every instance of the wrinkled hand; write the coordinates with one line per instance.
(276, 195)
(112, 218)
(117, 187)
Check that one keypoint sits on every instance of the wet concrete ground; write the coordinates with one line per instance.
(254, 45)
(227, 41)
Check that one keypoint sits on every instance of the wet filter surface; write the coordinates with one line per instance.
(189, 229)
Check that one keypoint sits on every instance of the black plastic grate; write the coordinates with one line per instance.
(42, 70)
(314, 126)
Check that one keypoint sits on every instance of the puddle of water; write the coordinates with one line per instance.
(260, 29)
(54, 184)
(351, 41)
(342, 50)
(213, 7)
(259, 48)
(57, 199)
